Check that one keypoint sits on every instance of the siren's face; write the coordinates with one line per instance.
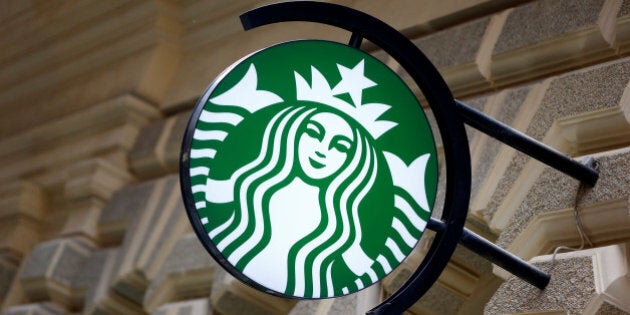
(324, 146)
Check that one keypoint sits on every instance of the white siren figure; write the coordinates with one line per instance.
(302, 193)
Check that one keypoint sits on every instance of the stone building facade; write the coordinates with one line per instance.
(95, 96)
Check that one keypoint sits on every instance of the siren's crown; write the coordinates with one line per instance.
(245, 94)
(319, 91)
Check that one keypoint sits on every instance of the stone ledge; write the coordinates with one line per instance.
(150, 235)
(582, 282)
(574, 101)
(156, 152)
(454, 51)
(108, 126)
(75, 59)
(603, 207)
(203, 61)
(560, 35)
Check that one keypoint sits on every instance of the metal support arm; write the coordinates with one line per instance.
(498, 256)
(526, 144)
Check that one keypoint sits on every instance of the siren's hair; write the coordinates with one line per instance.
(341, 206)
(311, 258)
(251, 177)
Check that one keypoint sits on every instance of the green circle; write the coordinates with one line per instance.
(367, 134)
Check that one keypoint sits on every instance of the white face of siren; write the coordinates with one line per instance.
(325, 145)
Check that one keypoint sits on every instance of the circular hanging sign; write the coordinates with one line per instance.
(309, 170)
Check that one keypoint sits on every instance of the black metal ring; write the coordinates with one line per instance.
(440, 99)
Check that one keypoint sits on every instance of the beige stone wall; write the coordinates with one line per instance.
(95, 96)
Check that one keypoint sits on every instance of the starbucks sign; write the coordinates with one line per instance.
(309, 169)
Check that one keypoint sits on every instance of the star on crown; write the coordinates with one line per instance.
(353, 82)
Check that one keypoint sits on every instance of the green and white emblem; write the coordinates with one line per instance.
(313, 169)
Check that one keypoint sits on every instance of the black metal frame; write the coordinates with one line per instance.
(450, 115)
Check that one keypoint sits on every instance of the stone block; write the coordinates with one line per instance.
(454, 52)
(504, 107)
(156, 152)
(588, 90)
(97, 178)
(583, 282)
(509, 162)
(438, 300)
(96, 275)
(173, 143)
(186, 273)
(143, 157)
(569, 290)
(109, 126)
(149, 237)
(22, 206)
(545, 218)
(343, 305)
(305, 307)
(231, 297)
(544, 37)
(23, 198)
(36, 264)
(587, 93)
(121, 209)
(609, 309)
(91, 183)
(464, 286)
(354, 304)
(454, 46)
(510, 176)
(512, 107)
(50, 270)
(9, 264)
(543, 20)
(478, 103)
(622, 29)
(190, 307)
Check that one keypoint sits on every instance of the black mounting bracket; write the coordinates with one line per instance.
(450, 115)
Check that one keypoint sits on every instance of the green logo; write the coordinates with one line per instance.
(313, 169)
